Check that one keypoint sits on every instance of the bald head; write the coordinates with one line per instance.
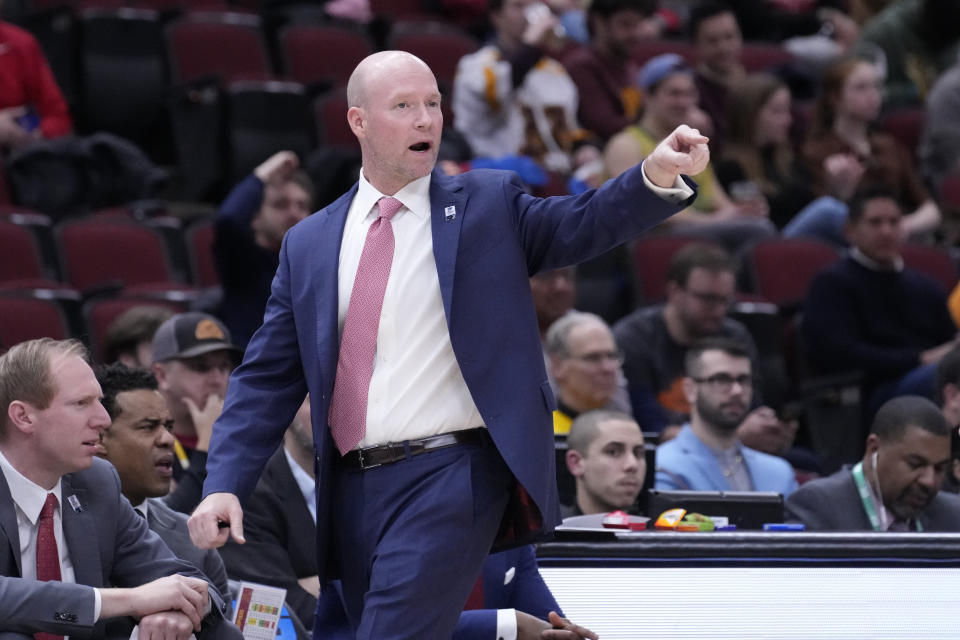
(377, 67)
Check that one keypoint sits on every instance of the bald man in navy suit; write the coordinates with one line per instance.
(455, 449)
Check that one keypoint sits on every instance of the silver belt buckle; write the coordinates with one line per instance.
(363, 464)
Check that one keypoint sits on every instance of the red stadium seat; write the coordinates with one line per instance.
(99, 314)
(200, 248)
(931, 261)
(783, 268)
(330, 115)
(324, 55)
(651, 259)
(764, 56)
(100, 251)
(650, 48)
(21, 254)
(438, 44)
(226, 45)
(906, 125)
(24, 317)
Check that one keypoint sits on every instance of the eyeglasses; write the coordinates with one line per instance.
(599, 357)
(723, 382)
(711, 299)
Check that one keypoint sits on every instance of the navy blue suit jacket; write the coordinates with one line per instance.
(484, 255)
(511, 580)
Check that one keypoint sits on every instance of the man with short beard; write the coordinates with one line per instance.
(896, 487)
(707, 455)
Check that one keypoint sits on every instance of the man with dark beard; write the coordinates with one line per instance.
(707, 455)
(896, 487)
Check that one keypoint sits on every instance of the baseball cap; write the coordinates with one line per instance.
(659, 67)
(190, 334)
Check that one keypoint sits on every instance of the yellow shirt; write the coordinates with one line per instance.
(561, 423)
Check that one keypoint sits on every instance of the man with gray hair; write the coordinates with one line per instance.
(66, 531)
(585, 363)
(896, 487)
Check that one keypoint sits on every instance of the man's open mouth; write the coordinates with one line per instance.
(420, 146)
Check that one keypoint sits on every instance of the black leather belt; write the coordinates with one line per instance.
(387, 453)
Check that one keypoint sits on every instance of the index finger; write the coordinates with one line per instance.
(691, 136)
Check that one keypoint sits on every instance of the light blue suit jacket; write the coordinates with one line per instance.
(687, 464)
(485, 253)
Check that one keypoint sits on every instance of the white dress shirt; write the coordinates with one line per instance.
(305, 482)
(417, 389)
(28, 498)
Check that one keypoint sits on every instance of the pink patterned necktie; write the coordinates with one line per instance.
(358, 346)
(48, 556)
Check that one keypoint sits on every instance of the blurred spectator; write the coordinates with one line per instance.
(707, 455)
(31, 105)
(585, 364)
(139, 444)
(868, 313)
(553, 295)
(948, 397)
(940, 146)
(605, 455)
(913, 41)
(700, 288)
(510, 98)
(248, 231)
(671, 101)
(129, 338)
(717, 41)
(844, 153)
(604, 72)
(896, 487)
(279, 524)
(192, 360)
(758, 156)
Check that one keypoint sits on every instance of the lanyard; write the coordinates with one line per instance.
(867, 499)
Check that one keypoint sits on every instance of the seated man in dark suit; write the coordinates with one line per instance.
(139, 444)
(896, 487)
(66, 532)
(280, 550)
(280, 524)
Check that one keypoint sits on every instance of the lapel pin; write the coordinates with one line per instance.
(450, 212)
(75, 503)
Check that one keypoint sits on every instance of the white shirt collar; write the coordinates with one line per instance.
(28, 495)
(872, 264)
(304, 480)
(415, 196)
(142, 507)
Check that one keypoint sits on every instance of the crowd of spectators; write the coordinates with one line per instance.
(561, 93)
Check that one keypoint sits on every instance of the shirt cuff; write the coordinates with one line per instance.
(97, 602)
(506, 624)
(677, 194)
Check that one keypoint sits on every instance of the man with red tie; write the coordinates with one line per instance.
(66, 532)
(404, 308)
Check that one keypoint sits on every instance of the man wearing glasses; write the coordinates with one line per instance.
(585, 363)
(699, 288)
(707, 455)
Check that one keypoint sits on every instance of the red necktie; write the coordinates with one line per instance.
(475, 599)
(48, 557)
(358, 346)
